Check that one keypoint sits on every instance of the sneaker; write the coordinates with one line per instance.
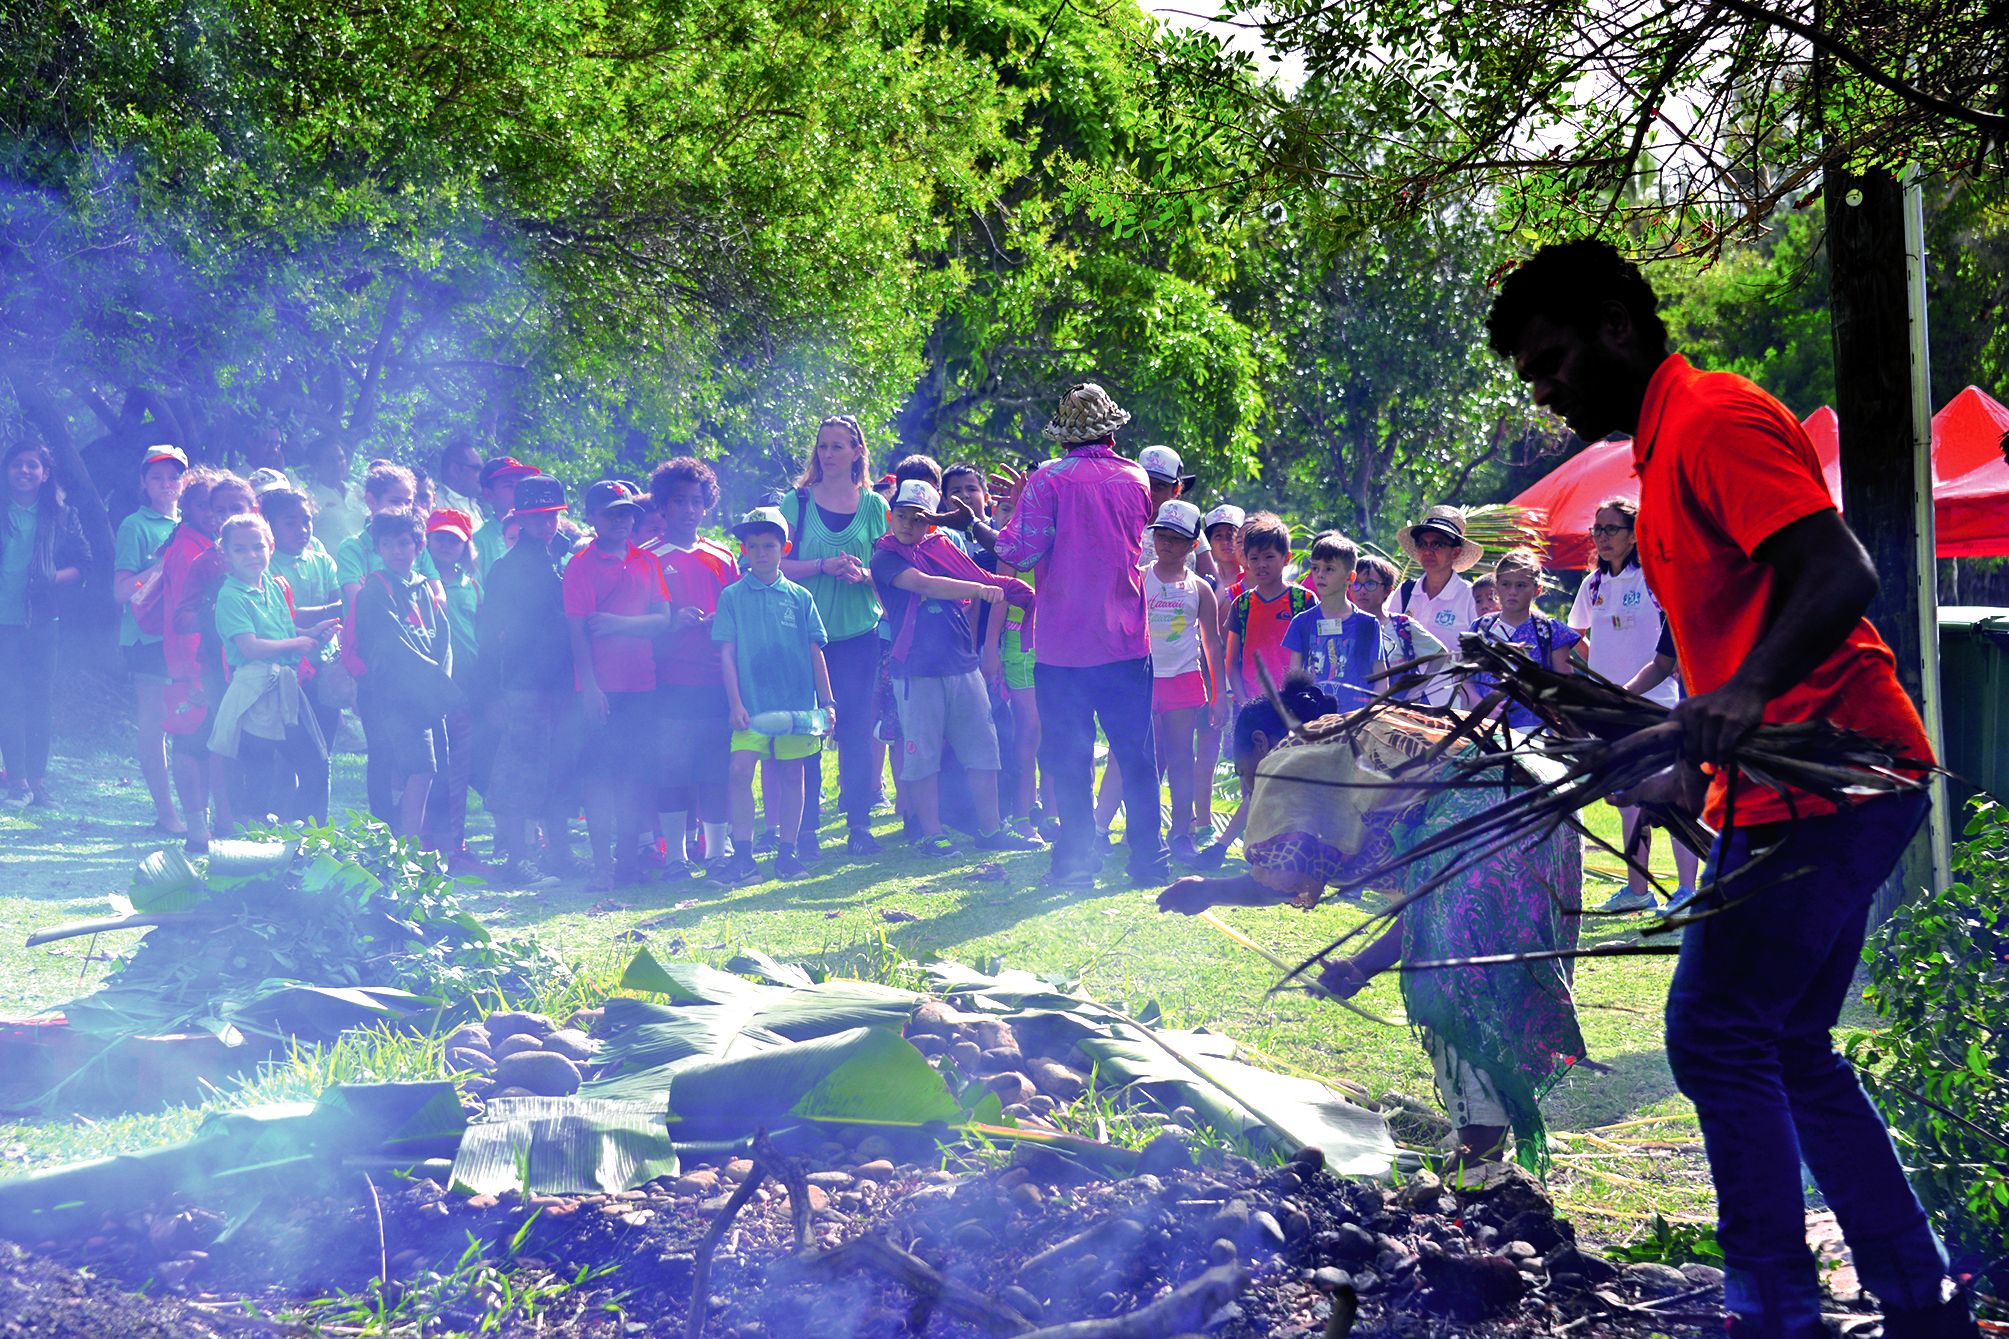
(522, 873)
(19, 795)
(1151, 876)
(1181, 848)
(766, 840)
(862, 842)
(1630, 899)
(1025, 827)
(1681, 903)
(788, 864)
(679, 871)
(1005, 839)
(938, 847)
(736, 870)
(1072, 875)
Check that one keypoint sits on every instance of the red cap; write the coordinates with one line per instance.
(503, 467)
(447, 521)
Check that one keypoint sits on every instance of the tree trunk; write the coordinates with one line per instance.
(1881, 477)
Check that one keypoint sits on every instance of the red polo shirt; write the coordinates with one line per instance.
(1722, 468)
(629, 583)
(694, 577)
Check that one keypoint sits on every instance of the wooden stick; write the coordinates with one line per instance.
(82, 928)
(1181, 1311)
(701, 1267)
(959, 1299)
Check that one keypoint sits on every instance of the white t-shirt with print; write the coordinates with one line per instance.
(1446, 616)
(1621, 619)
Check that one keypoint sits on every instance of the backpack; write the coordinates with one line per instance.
(1545, 633)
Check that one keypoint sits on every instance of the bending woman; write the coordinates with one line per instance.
(1498, 1037)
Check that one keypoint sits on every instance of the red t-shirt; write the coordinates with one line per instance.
(1722, 468)
(600, 583)
(693, 577)
(1261, 624)
(181, 588)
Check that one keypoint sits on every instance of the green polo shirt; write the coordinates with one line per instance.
(771, 627)
(259, 610)
(311, 573)
(356, 557)
(463, 607)
(140, 537)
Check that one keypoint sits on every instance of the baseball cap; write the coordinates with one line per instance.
(607, 495)
(499, 467)
(538, 493)
(1225, 514)
(164, 451)
(265, 479)
(1180, 517)
(918, 493)
(761, 518)
(451, 521)
(1163, 464)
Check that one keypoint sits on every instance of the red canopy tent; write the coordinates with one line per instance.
(1970, 490)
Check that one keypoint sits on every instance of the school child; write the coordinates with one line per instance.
(406, 691)
(136, 566)
(1024, 787)
(449, 536)
(1407, 640)
(309, 569)
(387, 487)
(1222, 527)
(498, 480)
(1259, 729)
(1518, 575)
(527, 647)
(690, 685)
(191, 572)
(1261, 612)
(1186, 656)
(770, 640)
(1439, 599)
(615, 604)
(1341, 647)
(264, 719)
(1485, 595)
(1165, 472)
(926, 584)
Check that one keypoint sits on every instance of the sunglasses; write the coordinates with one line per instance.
(1438, 544)
(1606, 531)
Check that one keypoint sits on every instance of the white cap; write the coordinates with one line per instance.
(917, 493)
(1160, 462)
(761, 518)
(1225, 514)
(1181, 518)
(266, 479)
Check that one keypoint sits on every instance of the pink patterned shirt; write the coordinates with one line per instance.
(1076, 525)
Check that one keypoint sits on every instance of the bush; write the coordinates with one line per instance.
(1939, 1063)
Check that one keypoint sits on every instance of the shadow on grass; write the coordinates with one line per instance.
(1638, 1080)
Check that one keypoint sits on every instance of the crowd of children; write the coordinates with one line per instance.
(598, 654)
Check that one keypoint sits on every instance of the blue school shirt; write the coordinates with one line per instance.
(1339, 653)
(1538, 636)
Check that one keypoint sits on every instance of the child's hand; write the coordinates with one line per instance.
(1217, 713)
(737, 717)
(682, 619)
(325, 629)
(594, 701)
(990, 595)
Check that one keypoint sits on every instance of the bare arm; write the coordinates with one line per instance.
(594, 700)
(253, 647)
(1653, 674)
(729, 666)
(947, 588)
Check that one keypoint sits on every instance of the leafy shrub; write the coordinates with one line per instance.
(1672, 1244)
(1939, 1063)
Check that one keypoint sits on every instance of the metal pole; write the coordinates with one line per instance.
(1939, 825)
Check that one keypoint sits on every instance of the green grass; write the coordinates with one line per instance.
(62, 863)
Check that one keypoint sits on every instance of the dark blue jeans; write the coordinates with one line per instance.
(1072, 699)
(1756, 991)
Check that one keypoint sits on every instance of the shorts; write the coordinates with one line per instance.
(402, 742)
(1017, 660)
(782, 748)
(625, 749)
(951, 709)
(1178, 692)
(697, 740)
(146, 661)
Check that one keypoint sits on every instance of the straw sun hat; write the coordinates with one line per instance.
(1444, 520)
(1086, 414)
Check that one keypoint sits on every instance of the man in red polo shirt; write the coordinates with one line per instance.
(1764, 589)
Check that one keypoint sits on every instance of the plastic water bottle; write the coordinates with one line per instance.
(791, 722)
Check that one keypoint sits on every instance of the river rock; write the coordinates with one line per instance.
(928, 1044)
(467, 1060)
(934, 1017)
(994, 1034)
(878, 1170)
(1654, 1279)
(543, 1073)
(1011, 1087)
(1164, 1155)
(1057, 1080)
(1000, 1058)
(508, 1021)
(1471, 1287)
(515, 1044)
(1353, 1243)
(969, 1056)
(571, 1043)
(1702, 1276)
(472, 1035)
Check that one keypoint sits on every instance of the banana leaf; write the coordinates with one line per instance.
(1273, 1113)
(564, 1146)
(233, 862)
(166, 881)
(866, 1076)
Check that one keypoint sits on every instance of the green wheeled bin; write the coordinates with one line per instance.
(1974, 704)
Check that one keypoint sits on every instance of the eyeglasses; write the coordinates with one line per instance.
(1438, 544)
(1369, 582)
(1606, 531)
